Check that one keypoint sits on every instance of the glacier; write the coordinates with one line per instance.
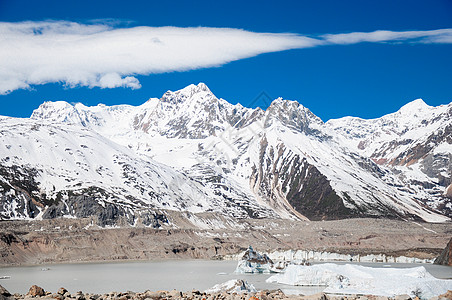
(355, 279)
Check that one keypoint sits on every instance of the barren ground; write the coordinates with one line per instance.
(77, 240)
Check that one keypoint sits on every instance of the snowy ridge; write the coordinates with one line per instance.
(70, 160)
(414, 143)
(282, 162)
(414, 122)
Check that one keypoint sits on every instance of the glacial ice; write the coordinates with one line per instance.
(355, 279)
(254, 262)
(234, 285)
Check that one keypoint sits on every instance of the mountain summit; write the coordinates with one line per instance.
(192, 152)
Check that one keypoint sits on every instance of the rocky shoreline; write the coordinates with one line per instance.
(36, 292)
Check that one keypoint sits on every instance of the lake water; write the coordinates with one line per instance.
(183, 275)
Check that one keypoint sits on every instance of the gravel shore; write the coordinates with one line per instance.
(37, 292)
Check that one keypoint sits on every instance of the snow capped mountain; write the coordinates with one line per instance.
(414, 143)
(190, 150)
(193, 113)
(52, 169)
(415, 121)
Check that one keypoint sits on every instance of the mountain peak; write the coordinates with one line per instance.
(294, 115)
(186, 93)
(56, 105)
(414, 106)
(203, 87)
(192, 89)
(52, 110)
(195, 89)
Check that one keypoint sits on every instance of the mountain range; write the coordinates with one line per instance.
(192, 152)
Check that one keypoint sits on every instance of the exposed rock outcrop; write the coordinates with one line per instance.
(111, 214)
(36, 291)
(445, 257)
(4, 294)
(19, 193)
(288, 181)
(449, 192)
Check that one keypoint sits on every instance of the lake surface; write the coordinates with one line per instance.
(183, 275)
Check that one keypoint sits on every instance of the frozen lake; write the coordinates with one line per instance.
(183, 275)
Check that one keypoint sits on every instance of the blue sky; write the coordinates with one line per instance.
(364, 79)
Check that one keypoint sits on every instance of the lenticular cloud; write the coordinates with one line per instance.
(440, 36)
(34, 53)
(99, 55)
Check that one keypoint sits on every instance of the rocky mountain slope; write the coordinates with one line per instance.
(55, 170)
(415, 143)
(190, 151)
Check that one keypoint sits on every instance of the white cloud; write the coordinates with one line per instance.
(428, 36)
(100, 55)
(34, 53)
(112, 80)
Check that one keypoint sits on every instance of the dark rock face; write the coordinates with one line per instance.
(445, 257)
(5, 295)
(8, 238)
(154, 219)
(4, 292)
(286, 178)
(82, 206)
(19, 195)
(310, 193)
